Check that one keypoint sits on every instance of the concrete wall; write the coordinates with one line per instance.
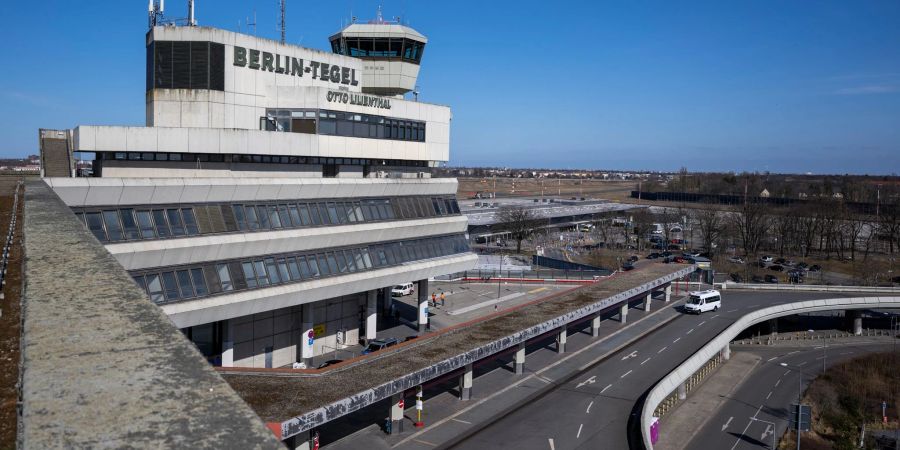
(253, 334)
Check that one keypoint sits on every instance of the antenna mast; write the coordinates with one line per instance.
(191, 21)
(282, 2)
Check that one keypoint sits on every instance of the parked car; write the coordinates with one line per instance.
(409, 338)
(790, 263)
(771, 279)
(802, 265)
(330, 362)
(633, 258)
(780, 261)
(757, 279)
(776, 268)
(627, 266)
(653, 255)
(403, 289)
(815, 268)
(736, 278)
(379, 344)
(665, 254)
(673, 247)
(766, 259)
(692, 253)
(736, 260)
(676, 229)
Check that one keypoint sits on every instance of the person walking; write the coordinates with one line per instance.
(433, 299)
(442, 299)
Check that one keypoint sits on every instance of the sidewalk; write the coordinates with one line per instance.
(497, 390)
(683, 422)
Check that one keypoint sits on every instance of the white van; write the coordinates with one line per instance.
(702, 301)
(403, 289)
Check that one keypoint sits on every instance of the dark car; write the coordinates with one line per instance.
(815, 268)
(665, 254)
(627, 266)
(801, 265)
(780, 261)
(736, 278)
(757, 279)
(633, 258)
(329, 363)
(379, 344)
(653, 255)
(674, 247)
(777, 268)
(771, 279)
(409, 338)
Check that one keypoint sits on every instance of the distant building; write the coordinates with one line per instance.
(764, 193)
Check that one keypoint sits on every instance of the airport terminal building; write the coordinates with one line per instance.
(276, 192)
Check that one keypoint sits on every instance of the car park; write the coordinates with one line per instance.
(766, 259)
(379, 344)
(653, 255)
(790, 263)
(776, 268)
(633, 258)
(757, 279)
(691, 253)
(780, 261)
(771, 279)
(403, 289)
(702, 301)
(736, 260)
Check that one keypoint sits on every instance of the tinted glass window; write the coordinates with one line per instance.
(162, 227)
(95, 224)
(175, 223)
(261, 277)
(154, 287)
(170, 286)
(190, 222)
(249, 275)
(239, 216)
(113, 229)
(224, 277)
(146, 224)
(185, 286)
(199, 282)
(128, 223)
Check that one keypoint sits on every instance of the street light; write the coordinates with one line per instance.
(799, 396)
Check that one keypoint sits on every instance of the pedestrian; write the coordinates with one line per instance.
(433, 299)
(442, 299)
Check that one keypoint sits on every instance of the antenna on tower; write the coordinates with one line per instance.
(155, 12)
(191, 22)
(252, 24)
(282, 2)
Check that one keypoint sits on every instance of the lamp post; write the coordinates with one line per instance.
(799, 397)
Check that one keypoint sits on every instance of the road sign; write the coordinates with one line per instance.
(805, 417)
(400, 404)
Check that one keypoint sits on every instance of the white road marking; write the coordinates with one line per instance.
(778, 382)
(768, 431)
(625, 374)
(787, 372)
(676, 340)
(690, 331)
(590, 380)
(795, 351)
(642, 363)
(630, 355)
(804, 362)
(753, 306)
(819, 357)
(604, 390)
(738, 440)
(425, 442)
(461, 421)
(847, 353)
(662, 350)
(772, 359)
(727, 423)
(701, 323)
(731, 310)
(552, 447)
(770, 394)
(588, 410)
(717, 315)
(578, 435)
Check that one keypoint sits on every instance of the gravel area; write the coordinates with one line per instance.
(278, 397)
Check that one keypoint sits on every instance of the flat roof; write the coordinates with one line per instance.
(301, 400)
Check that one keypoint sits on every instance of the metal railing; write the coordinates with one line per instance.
(543, 274)
(10, 234)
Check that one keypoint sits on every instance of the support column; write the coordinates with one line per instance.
(773, 327)
(561, 341)
(623, 312)
(668, 293)
(397, 408)
(371, 314)
(465, 383)
(647, 301)
(520, 360)
(595, 326)
(299, 441)
(388, 301)
(726, 352)
(306, 327)
(857, 321)
(227, 344)
(682, 391)
(423, 305)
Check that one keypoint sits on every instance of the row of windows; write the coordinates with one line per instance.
(164, 286)
(243, 158)
(336, 123)
(380, 48)
(127, 224)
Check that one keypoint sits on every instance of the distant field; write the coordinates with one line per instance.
(529, 187)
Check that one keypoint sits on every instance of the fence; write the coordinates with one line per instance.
(540, 274)
(4, 259)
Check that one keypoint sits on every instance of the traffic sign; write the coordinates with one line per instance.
(805, 417)
(400, 404)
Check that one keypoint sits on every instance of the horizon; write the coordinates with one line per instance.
(711, 87)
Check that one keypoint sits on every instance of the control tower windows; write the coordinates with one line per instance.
(337, 123)
(379, 48)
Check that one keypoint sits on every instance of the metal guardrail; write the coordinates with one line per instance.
(662, 390)
(4, 257)
(548, 274)
(812, 288)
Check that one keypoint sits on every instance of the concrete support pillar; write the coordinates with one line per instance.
(520, 360)
(623, 312)
(595, 326)
(668, 293)
(856, 317)
(465, 383)
(773, 327)
(306, 327)
(397, 408)
(388, 300)
(423, 305)
(561, 341)
(299, 441)
(227, 344)
(682, 391)
(647, 301)
(371, 314)
(726, 352)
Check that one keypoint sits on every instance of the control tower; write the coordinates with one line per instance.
(391, 53)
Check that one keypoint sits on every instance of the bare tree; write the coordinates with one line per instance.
(643, 222)
(751, 223)
(519, 221)
(711, 224)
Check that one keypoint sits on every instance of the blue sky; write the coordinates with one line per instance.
(790, 86)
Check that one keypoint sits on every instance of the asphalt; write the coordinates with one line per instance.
(768, 393)
(593, 409)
